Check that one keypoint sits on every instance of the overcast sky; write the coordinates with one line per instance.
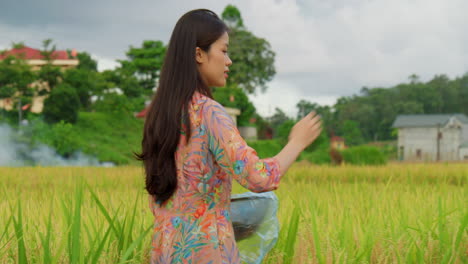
(324, 49)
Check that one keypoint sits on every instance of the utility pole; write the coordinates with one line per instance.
(20, 116)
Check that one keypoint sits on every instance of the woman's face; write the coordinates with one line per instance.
(214, 64)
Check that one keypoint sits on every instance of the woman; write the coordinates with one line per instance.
(192, 150)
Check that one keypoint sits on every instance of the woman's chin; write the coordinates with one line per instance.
(220, 84)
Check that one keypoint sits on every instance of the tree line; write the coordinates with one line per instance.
(360, 118)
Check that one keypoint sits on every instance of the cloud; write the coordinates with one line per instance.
(284, 95)
(325, 49)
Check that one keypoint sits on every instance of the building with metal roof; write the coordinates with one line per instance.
(432, 137)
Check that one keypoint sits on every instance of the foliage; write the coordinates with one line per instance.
(304, 107)
(319, 151)
(126, 82)
(351, 133)
(63, 103)
(266, 148)
(364, 155)
(232, 16)
(322, 142)
(319, 157)
(145, 63)
(60, 136)
(375, 109)
(264, 129)
(325, 112)
(277, 119)
(110, 137)
(283, 130)
(86, 62)
(86, 83)
(16, 77)
(50, 75)
(232, 96)
(48, 50)
(113, 103)
(253, 59)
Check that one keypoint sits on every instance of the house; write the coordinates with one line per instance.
(464, 151)
(33, 57)
(432, 137)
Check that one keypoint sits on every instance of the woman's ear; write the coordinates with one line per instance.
(199, 55)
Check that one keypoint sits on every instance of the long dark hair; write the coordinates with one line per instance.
(178, 81)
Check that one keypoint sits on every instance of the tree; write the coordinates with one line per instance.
(236, 97)
(283, 130)
(232, 16)
(86, 62)
(16, 77)
(304, 108)
(49, 73)
(86, 83)
(253, 59)
(277, 119)
(62, 104)
(145, 63)
(463, 94)
(126, 82)
(448, 93)
(351, 133)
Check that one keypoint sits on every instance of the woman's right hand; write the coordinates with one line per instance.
(306, 130)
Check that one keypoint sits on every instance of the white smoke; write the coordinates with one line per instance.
(15, 154)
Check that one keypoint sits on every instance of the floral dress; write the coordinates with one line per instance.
(194, 225)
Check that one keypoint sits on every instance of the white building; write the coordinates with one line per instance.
(432, 137)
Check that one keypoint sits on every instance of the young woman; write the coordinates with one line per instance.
(192, 150)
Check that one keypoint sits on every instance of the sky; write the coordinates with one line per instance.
(324, 49)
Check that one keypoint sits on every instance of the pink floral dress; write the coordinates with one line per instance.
(194, 225)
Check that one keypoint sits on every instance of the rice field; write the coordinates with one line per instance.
(398, 213)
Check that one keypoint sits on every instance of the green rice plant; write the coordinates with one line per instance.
(74, 239)
(292, 228)
(397, 213)
(45, 240)
(18, 224)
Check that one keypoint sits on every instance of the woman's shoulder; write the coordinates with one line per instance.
(205, 103)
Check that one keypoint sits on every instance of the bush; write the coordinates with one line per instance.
(60, 136)
(364, 155)
(110, 137)
(115, 104)
(321, 156)
(266, 148)
(62, 104)
(284, 130)
(319, 151)
(107, 137)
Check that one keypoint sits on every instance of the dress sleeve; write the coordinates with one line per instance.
(234, 156)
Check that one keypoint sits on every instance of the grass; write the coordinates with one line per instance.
(352, 214)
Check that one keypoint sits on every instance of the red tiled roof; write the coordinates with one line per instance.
(28, 53)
